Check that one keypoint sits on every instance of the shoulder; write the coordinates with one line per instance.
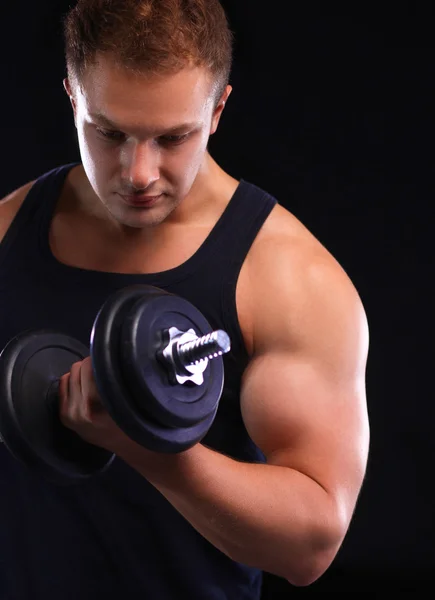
(287, 251)
(10, 205)
(297, 287)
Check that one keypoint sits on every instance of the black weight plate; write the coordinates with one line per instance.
(114, 386)
(174, 405)
(30, 365)
(178, 439)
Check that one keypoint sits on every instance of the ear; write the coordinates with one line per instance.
(68, 88)
(219, 109)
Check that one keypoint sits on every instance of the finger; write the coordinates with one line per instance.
(87, 378)
(64, 398)
(89, 387)
(75, 383)
(73, 400)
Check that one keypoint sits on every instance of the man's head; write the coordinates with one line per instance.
(148, 80)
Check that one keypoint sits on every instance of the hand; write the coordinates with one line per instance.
(81, 410)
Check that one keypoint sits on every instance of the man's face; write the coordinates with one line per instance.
(143, 140)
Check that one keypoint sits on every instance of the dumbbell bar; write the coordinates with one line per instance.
(158, 369)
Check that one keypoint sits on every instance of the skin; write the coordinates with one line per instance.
(303, 394)
(154, 155)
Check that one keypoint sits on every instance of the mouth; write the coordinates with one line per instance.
(141, 200)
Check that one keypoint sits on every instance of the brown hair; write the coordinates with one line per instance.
(150, 36)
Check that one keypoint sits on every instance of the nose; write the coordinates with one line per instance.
(141, 166)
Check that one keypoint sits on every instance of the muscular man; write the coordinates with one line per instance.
(273, 485)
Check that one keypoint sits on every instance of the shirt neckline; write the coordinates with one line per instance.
(166, 277)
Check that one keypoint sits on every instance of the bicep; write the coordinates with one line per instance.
(302, 419)
(303, 396)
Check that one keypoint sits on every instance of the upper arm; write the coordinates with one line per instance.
(303, 395)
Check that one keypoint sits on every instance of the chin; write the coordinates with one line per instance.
(141, 221)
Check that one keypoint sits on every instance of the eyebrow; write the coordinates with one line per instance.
(108, 123)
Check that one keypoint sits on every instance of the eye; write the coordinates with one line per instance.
(114, 136)
(174, 139)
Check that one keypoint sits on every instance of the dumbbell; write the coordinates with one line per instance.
(158, 369)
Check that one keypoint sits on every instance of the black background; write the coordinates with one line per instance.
(334, 116)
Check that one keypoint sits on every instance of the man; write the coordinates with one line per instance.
(274, 484)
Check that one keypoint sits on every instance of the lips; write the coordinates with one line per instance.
(140, 199)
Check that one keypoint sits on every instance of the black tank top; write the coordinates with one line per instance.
(114, 536)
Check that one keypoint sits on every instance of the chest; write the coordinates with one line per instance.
(86, 245)
(79, 245)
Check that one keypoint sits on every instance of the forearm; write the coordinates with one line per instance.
(269, 517)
